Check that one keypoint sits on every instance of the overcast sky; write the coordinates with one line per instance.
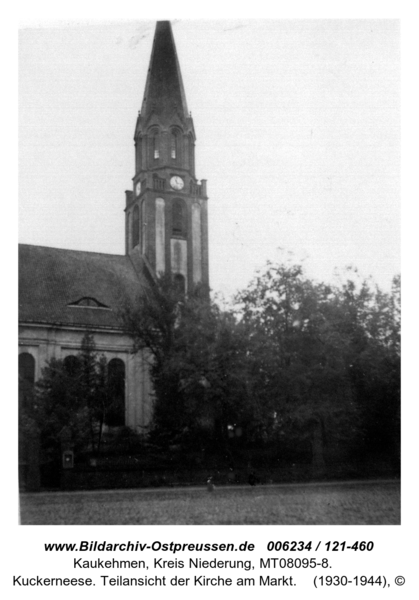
(297, 125)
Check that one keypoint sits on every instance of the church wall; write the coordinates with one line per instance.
(149, 229)
(196, 243)
(205, 245)
(46, 342)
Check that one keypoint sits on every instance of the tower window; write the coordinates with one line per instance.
(154, 145)
(179, 217)
(173, 144)
(156, 151)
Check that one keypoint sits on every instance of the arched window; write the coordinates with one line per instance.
(135, 234)
(156, 153)
(179, 217)
(154, 145)
(71, 365)
(174, 144)
(179, 283)
(115, 416)
(27, 367)
(26, 377)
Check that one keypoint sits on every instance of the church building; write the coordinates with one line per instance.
(64, 293)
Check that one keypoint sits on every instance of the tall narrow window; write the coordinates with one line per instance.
(72, 365)
(153, 145)
(27, 367)
(179, 217)
(156, 151)
(116, 385)
(26, 377)
(135, 234)
(174, 144)
(179, 283)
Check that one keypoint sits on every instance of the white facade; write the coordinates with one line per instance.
(44, 342)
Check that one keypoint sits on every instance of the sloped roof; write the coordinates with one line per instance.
(51, 279)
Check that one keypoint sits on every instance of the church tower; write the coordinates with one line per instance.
(166, 213)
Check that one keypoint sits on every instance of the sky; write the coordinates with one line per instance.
(297, 125)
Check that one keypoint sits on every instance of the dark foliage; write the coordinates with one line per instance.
(296, 370)
(73, 399)
(195, 352)
(324, 362)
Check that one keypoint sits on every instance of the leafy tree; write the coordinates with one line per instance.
(374, 318)
(313, 352)
(307, 368)
(74, 395)
(195, 365)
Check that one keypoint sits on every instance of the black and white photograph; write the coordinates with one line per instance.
(209, 272)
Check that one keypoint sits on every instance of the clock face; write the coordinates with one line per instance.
(138, 188)
(177, 182)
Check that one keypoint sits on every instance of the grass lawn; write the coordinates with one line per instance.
(375, 503)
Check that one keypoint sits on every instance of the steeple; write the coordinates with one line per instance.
(166, 213)
(164, 92)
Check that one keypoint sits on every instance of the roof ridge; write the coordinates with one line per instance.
(72, 250)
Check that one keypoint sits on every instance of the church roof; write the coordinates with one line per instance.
(72, 287)
(164, 91)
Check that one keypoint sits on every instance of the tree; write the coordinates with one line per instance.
(74, 394)
(194, 350)
(312, 348)
(374, 320)
(307, 368)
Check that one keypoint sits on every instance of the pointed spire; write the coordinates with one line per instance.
(164, 92)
